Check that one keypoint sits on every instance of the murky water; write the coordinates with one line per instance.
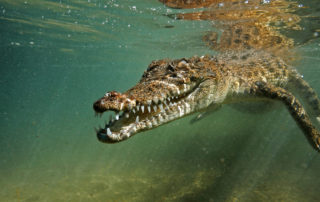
(58, 57)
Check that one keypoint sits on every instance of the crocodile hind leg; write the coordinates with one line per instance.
(295, 108)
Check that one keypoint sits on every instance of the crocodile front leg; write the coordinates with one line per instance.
(295, 108)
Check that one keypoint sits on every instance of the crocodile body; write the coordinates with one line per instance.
(171, 89)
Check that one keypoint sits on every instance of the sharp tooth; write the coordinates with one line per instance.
(137, 119)
(149, 109)
(168, 99)
(165, 115)
(160, 118)
(165, 102)
(133, 110)
(117, 116)
(109, 131)
(168, 109)
(127, 115)
(180, 111)
(134, 129)
(178, 91)
(155, 100)
(185, 87)
(149, 102)
(161, 107)
(155, 108)
(154, 121)
(138, 108)
(187, 107)
(121, 106)
(149, 124)
(142, 108)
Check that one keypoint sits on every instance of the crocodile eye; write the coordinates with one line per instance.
(170, 68)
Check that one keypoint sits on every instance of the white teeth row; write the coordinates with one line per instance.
(137, 109)
(162, 117)
(150, 106)
(156, 100)
(161, 107)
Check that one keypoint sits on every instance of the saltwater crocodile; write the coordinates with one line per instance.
(171, 89)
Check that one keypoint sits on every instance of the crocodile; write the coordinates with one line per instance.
(174, 88)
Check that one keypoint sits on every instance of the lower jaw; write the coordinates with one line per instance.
(146, 124)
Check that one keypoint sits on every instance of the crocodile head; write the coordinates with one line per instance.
(168, 90)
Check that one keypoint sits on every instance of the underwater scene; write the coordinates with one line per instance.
(58, 57)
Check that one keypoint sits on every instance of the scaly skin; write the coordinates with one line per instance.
(171, 89)
(252, 66)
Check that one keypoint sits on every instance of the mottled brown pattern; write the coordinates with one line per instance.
(190, 3)
(252, 66)
(247, 25)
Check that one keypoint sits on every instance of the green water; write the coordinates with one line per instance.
(58, 57)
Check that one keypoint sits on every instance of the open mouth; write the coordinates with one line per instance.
(125, 123)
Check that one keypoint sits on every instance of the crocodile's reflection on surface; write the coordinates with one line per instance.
(254, 64)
